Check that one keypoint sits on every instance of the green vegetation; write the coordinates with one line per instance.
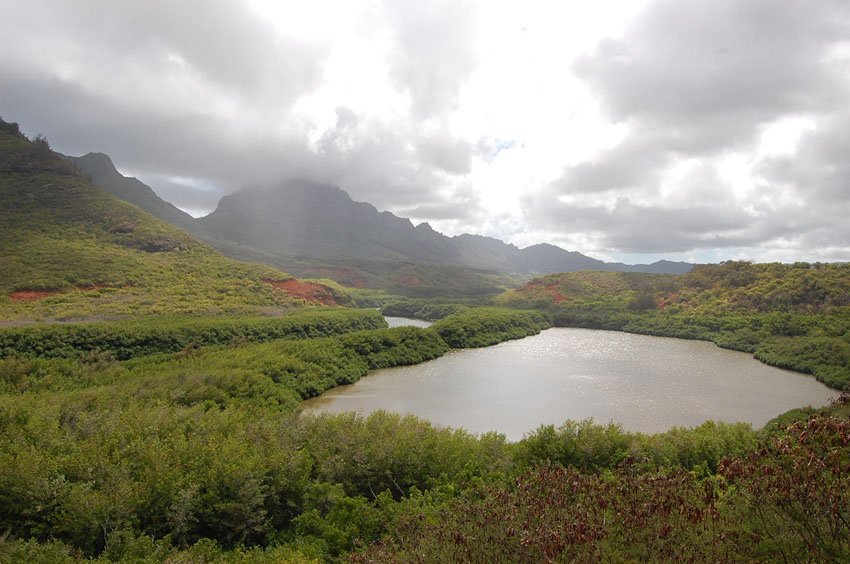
(789, 501)
(792, 316)
(123, 339)
(157, 453)
(174, 434)
(87, 255)
(430, 310)
(482, 327)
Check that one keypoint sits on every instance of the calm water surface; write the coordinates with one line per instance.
(406, 322)
(645, 383)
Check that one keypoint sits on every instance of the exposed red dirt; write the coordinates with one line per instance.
(558, 297)
(31, 295)
(550, 288)
(310, 291)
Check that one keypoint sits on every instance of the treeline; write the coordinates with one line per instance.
(200, 455)
(125, 339)
(481, 327)
(429, 310)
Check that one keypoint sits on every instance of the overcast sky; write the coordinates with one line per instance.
(691, 130)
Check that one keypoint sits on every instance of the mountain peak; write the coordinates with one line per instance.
(100, 168)
(301, 218)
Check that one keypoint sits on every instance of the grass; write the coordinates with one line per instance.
(99, 257)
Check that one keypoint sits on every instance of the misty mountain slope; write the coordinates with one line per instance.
(305, 220)
(104, 175)
(69, 250)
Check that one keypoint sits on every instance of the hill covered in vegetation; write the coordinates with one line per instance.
(68, 250)
(793, 316)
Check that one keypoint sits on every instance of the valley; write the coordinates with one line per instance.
(152, 383)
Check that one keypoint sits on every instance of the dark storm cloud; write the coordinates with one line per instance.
(700, 81)
(747, 58)
(201, 97)
(160, 142)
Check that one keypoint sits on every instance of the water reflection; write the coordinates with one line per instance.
(645, 383)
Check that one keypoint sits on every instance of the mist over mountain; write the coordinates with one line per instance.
(307, 220)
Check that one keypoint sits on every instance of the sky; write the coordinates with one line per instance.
(699, 130)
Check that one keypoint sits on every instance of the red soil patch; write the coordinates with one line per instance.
(411, 281)
(31, 295)
(551, 289)
(310, 291)
(558, 297)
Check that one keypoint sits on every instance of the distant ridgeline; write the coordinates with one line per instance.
(793, 316)
(318, 230)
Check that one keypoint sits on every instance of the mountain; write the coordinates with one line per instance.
(103, 174)
(302, 220)
(69, 250)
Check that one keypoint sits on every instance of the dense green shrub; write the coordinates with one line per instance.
(125, 339)
(482, 327)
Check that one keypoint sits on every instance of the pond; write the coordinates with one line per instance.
(645, 383)
(406, 322)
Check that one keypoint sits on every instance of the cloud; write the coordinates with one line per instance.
(433, 52)
(620, 134)
(700, 85)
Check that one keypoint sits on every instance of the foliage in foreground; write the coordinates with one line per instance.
(789, 501)
(201, 455)
(205, 444)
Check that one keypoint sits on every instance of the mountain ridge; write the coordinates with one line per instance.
(71, 251)
(303, 219)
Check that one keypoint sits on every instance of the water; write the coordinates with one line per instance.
(406, 322)
(645, 383)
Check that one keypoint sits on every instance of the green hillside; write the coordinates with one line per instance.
(69, 250)
(729, 287)
(794, 316)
